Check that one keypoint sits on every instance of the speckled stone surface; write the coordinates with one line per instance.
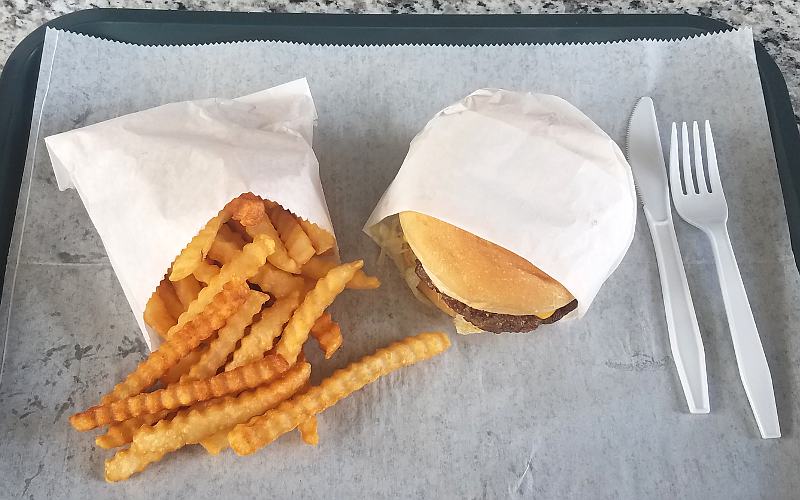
(774, 22)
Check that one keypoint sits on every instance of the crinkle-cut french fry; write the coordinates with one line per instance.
(314, 304)
(264, 331)
(156, 315)
(223, 251)
(226, 246)
(174, 396)
(194, 253)
(212, 318)
(261, 431)
(317, 266)
(296, 240)
(121, 433)
(241, 208)
(183, 366)
(227, 337)
(246, 209)
(239, 230)
(187, 290)
(216, 443)
(170, 298)
(229, 235)
(277, 282)
(205, 271)
(308, 285)
(190, 426)
(243, 266)
(280, 257)
(321, 240)
(362, 281)
(308, 431)
(323, 323)
(328, 334)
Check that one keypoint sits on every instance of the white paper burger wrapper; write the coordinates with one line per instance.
(151, 180)
(528, 172)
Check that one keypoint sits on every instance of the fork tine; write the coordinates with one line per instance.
(715, 184)
(699, 170)
(675, 184)
(688, 182)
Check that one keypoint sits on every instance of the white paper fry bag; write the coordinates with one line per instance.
(528, 172)
(151, 180)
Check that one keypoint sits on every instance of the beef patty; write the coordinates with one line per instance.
(495, 322)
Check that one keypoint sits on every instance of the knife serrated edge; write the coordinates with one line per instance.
(627, 149)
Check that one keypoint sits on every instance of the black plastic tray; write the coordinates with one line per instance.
(18, 81)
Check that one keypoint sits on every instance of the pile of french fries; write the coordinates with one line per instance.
(234, 312)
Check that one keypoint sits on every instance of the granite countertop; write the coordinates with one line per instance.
(774, 22)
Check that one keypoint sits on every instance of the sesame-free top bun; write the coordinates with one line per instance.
(479, 273)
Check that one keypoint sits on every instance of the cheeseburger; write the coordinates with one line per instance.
(477, 282)
(509, 212)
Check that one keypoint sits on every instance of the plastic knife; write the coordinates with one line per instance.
(650, 175)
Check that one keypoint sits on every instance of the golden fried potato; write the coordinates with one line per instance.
(183, 366)
(121, 433)
(245, 265)
(247, 209)
(328, 335)
(236, 307)
(239, 230)
(156, 315)
(187, 290)
(190, 426)
(216, 443)
(314, 304)
(280, 257)
(278, 283)
(261, 431)
(226, 246)
(308, 431)
(197, 249)
(296, 240)
(189, 336)
(321, 240)
(264, 331)
(227, 337)
(182, 394)
(170, 298)
(205, 271)
(318, 266)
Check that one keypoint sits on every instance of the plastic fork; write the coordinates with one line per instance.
(701, 202)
